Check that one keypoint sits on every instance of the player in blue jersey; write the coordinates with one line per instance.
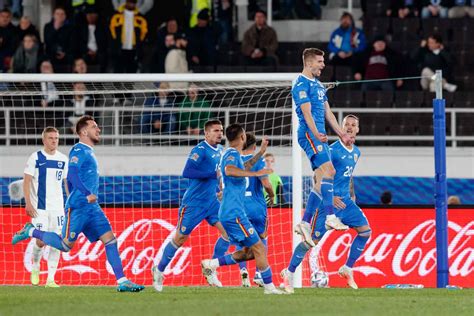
(200, 201)
(83, 213)
(312, 109)
(232, 213)
(344, 159)
(255, 204)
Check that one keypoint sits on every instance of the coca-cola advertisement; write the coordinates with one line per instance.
(401, 249)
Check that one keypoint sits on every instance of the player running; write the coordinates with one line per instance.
(232, 213)
(255, 204)
(200, 201)
(313, 109)
(44, 175)
(344, 159)
(83, 213)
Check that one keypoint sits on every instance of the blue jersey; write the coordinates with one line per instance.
(309, 90)
(202, 190)
(254, 191)
(232, 204)
(344, 161)
(83, 158)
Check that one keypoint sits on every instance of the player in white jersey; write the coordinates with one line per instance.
(44, 175)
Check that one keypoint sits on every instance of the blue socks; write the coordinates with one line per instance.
(357, 247)
(168, 254)
(327, 191)
(298, 256)
(51, 239)
(220, 248)
(226, 260)
(267, 275)
(113, 257)
(312, 204)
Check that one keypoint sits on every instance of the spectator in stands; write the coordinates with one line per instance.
(193, 122)
(461, 8)
(17, 8)
(8, 39)
(90, 40)
(454, 200)
(346, 41)
(195, 7)
(404, 9)
(26, 27)
(260, 42)
(386, 198)
(275, 180)
(159, 122)
(202, 41)
(434, 8)
(27, 56)
(223, 19)
(50, 98)
(58, 39)
(378, 62)
(165, 40)
(79, 66)
(176, 60)
(143, 6)
(128, 29)
(50, 93)
(431, 56)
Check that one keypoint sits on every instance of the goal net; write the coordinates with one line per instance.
(148, 126)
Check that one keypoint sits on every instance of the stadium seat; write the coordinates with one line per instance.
(464, 99)
(436, 25)
(429, 96)
(342, 73)
(379, 99)
(406, 29)
(377, 8)
(346, 99)
(462, 30)
(375, 26)
(409, 99)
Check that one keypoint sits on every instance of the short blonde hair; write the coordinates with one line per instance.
(49, 129)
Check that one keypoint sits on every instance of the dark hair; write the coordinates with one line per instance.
(251, 140)
(260, 11)
(60, 8)
(437, 37)
(210, 123)
(310, 53)
(347, 15)
(82, 123)
(386, 197)
(233, 131)
(5, 10)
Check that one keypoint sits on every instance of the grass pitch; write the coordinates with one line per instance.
(27, 300)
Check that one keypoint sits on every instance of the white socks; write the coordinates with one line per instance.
(53, 260)
(37, 252)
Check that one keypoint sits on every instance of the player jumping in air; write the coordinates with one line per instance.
(232, 213)
(344, 159)
(255, 204)
(83, 213)
(313, 109)
(200, 202)
(45, 172)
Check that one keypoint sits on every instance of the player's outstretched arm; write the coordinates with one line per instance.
(191, 171)
(269, 189)
(30, 209)
(308, 117)
(233, 171)
(263, 148)
(331, 118)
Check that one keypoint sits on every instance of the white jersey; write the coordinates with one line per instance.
(48, 172)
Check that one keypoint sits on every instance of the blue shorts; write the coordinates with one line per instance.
(90, 220)
(257, 215)
(191, 216)
(352, 216)
(317, 152)
(240, 231)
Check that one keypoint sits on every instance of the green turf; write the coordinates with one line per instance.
(67, 301)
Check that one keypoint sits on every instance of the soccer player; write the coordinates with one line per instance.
(344, 159)
(44, 175)
(313, 109)
(232, 213)
(255, 204)
(83, 213)
(275, 180)
(200, 201)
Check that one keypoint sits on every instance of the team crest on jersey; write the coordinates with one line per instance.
(73, 234)
(60, 164)
(320, 148)
(230, 158)
(303, 94)
(251, 231)
(194, 157)
(318, 234)
(74, 160)
(356, 157)
(183, 229)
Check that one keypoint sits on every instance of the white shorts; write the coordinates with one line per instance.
(49, 221)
